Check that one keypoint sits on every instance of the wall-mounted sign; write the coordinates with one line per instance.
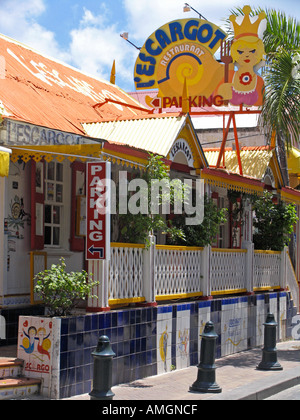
(98, 175)
(269, 178)
(185, 50)
(182, 146)
(27, 134)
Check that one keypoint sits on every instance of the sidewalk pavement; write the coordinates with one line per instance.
(235, 374)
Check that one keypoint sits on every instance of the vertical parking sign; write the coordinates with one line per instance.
(98, 188)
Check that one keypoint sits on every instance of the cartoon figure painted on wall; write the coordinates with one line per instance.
(32, 336)
(183, 338)
(17, 218)
(44, 342)
(163, 347)
(247, 53)
(28, 341)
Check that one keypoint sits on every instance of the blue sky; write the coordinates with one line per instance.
(86, 34)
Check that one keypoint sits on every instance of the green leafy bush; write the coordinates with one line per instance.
(273, 223)
(205, 233)
(135, 228)
(60, 291)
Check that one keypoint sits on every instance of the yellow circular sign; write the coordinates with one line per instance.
(178, 51)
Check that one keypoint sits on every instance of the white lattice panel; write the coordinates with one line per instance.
(125, 273)
(227, 270)
(266, 270)
(292, 282)
(177, 271)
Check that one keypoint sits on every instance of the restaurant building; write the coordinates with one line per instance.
(55, 120)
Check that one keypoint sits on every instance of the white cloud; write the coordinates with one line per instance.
(145, 16)
(95, 44)
(18, 19)
(94, 41)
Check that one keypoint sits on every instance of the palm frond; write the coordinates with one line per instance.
(281, 110)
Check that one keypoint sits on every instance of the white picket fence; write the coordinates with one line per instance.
(181, 272)
(291, 281)
(136, 273)
(126, 272)
(228, 271)
(267, 269)
(177, 271)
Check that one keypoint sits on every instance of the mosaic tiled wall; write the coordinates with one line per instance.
(150, 341)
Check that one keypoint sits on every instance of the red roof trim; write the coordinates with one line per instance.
(290, 190)
(232, 176)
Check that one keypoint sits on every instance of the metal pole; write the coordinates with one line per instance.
(269, 356)
(102, 380)
(206, 379)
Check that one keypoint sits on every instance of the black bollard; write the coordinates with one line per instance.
(206, 379)
(102, 380)
(269, 356)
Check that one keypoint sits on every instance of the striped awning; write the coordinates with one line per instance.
(60, 153)
(4, 161)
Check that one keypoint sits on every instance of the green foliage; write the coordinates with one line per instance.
(206, 232)
(60, 291)
(135, 228)
(274, 223)
(281, 111)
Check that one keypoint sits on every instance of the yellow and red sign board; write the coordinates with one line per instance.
(184, 51)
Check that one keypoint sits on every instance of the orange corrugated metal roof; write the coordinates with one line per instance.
(42, 91)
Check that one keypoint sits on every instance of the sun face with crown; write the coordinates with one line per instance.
(247, 52)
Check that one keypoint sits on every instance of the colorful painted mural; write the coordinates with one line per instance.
(35, 340)
(147, 341)
(38, 346)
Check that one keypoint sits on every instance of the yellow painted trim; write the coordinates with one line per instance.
(128, 159)
(32, 254)
(228, 292)
(241, 251)
(4, 164)
(224, 183)
(113, 302)
(276, 170)
(186, 134)
(179, 248)
(290, 197)
(178, 296)
(59, 152)
(123, 245)
(265, 288)
(267, 252)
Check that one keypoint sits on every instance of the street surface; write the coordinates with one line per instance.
(291, 394)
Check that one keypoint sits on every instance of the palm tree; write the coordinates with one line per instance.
(281, 109)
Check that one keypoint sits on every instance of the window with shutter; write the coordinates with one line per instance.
(37, 205)
(78, 190)
(49, 204)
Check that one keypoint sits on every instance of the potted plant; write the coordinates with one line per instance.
(39, 338)
(61, 291)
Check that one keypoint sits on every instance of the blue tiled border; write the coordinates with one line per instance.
(133, 336)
